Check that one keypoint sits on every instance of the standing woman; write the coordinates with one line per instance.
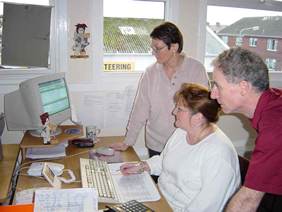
(154, 101)
(198, 168)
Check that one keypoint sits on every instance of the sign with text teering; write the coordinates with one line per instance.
(118, 66)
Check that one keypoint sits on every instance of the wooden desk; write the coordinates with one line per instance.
(72, 162)
(7, 166)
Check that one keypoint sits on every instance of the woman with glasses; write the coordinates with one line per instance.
(198, 168)
(154, 101)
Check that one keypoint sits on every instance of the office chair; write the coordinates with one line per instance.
(2, 126)
(270, 202)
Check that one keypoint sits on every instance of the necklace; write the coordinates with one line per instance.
(172, 68)
(206, 131)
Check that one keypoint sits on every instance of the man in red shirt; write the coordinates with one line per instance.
(241, 85)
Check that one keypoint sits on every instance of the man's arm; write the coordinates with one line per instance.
(245, 200)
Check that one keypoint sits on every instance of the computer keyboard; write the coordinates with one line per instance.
(96, 174)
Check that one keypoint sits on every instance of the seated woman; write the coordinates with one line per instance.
(198, 168)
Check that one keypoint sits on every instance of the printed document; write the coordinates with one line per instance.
(66, 200)
(138, 187)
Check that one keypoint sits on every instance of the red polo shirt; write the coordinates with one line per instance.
(265, 169)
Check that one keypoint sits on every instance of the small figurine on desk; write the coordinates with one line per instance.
(45, 133)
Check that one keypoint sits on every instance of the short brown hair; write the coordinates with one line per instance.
(197, 98)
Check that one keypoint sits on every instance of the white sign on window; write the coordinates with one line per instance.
(126, 30)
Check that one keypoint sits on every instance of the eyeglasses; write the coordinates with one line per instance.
(212, 84)
(157, 50)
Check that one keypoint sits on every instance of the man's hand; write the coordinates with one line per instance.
(119, 146)
(245, 200)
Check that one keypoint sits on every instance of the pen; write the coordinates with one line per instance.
(109, 209)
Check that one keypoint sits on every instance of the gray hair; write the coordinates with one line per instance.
(239, 64)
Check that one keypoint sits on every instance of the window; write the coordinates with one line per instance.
(271, 64)
(19, 36)
(127, 33)
(250, 21)
(225, 39)
(272, 44)
(253, 42)
(239, 41)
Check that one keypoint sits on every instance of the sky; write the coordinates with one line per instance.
(216, 14)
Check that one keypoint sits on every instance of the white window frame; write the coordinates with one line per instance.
(253, 42)
(10, 78)
(275, 76)
(239, 41)
(104, 80)
(225, 39)
(271, 63)
(138, 72)
(272, 45)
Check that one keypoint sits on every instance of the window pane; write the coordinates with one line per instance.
(256, 30)
(127, 31)
(253, 42)
(271, 64)
(18, 2)
(239, 41)
(272, 44)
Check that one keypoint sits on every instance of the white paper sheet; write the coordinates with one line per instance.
(66, 200)
(138, 187)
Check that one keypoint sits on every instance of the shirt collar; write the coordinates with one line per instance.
(261, 105)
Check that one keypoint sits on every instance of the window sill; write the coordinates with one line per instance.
(10, 78)
(272, 50)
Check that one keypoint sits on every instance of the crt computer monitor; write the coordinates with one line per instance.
(47, 93)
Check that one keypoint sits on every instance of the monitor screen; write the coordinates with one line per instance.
(47, 93)
(54, 96)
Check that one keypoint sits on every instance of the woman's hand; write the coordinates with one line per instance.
(119, 146)
(134, 168)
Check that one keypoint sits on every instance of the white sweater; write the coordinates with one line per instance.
(200, 177)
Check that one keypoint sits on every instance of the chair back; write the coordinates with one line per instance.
(244, 164)
(2, 123)
(2, 126)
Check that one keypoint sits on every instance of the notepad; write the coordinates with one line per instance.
(134, 187)
(66, 200)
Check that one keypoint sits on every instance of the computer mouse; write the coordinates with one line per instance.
(105, 150)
